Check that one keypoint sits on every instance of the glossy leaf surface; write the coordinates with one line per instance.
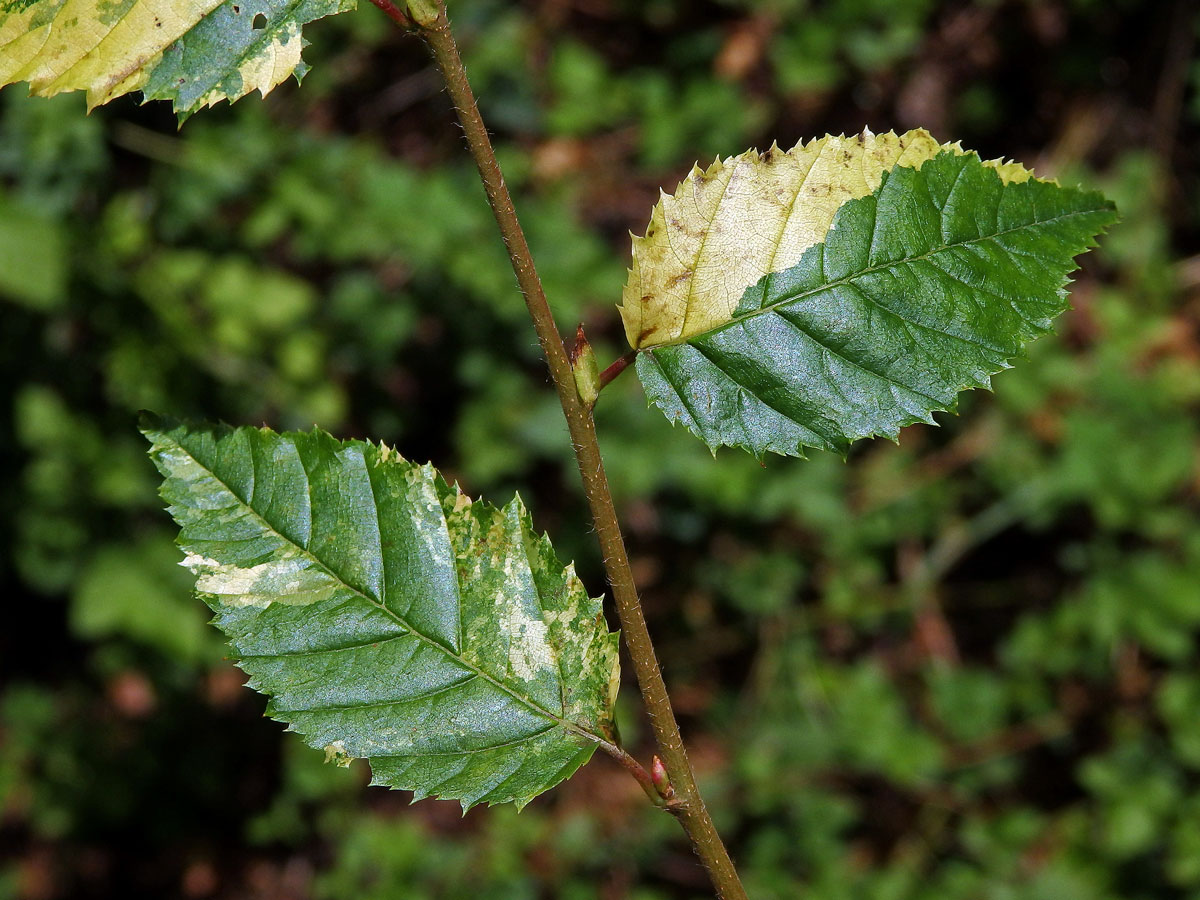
(388, 616)
(828, 321)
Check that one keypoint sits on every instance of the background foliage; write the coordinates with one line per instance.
(961, 667)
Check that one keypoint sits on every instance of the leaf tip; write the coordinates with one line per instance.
(516, 508)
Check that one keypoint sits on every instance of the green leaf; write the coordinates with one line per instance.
(193, 53)
(389, 616)
(846, 288)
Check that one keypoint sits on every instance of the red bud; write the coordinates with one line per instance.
(662, 781)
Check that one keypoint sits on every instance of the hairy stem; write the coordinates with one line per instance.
(687, 804)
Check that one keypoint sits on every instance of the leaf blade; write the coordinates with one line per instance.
(926, 286)
(332, 567)
(194, 54)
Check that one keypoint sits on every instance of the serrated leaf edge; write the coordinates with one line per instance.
(1009, 172)
(156, 429)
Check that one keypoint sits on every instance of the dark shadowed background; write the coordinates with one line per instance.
(963, 667)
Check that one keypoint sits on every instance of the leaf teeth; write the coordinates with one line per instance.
(386, 615)
(194, 53)
(919, 289)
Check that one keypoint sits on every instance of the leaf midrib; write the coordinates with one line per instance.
(849, 279)
(400, 620)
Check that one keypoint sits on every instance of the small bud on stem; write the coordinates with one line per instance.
(662, 781)
(587, 373)
(424, 12)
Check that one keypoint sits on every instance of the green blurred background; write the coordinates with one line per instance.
(963, 667)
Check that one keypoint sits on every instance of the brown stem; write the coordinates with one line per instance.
(688, 805)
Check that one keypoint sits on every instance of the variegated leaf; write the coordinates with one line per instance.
(845, 288)
(387, 615)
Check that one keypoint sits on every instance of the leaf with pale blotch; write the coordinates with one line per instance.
(194, 53)
(388, 616)
(845, 288)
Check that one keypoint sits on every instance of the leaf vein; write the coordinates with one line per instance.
(302, 653)
(375, 704)
(533, 706)
(849, 279)
(513, 743)
(858, 365)
(749, 389)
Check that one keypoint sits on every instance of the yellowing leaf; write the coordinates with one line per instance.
(923, 287)
(193, 53)
(90, 45)
(727, 226)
